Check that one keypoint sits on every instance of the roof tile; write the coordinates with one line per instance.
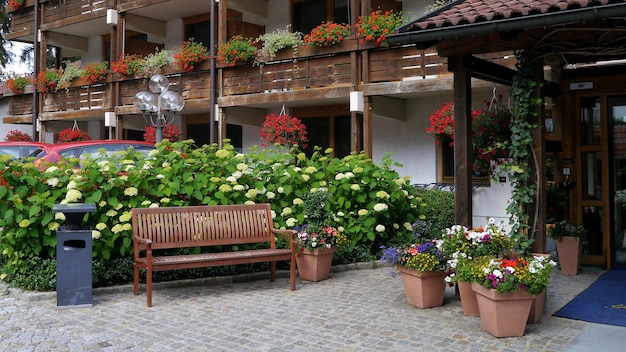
(474, 11)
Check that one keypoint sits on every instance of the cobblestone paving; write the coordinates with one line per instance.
(360, 309)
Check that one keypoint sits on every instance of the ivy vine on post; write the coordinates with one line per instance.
(522, 166)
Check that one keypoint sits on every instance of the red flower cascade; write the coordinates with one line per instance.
(285, 130)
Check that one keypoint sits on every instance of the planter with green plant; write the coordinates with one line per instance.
(236, 49)
(569, 238)
(275, 41)
(18, 84)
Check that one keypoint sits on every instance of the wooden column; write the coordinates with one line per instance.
(367, 126)
(538, 210)
(463, 158)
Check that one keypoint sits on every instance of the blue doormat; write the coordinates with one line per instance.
(603, 302)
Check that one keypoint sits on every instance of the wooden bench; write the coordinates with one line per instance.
(202, 226)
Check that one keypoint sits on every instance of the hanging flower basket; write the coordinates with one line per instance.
(73, 134)
(171, 132)
(285, 130)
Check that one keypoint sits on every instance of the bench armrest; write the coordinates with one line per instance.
(141, 244)
(292, 237)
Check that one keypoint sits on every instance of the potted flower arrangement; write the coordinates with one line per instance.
(327, 33)
(285, 130)
(191, 54)
(463, 247)
(72, 134)
(505, 289)
(170, 132)
(17, 84)
(376, 26)
(47, 80)
(277, 40)
(17, 136)
(95, 72)
(490, 127)
(569, 238)
(237, 48)
(127, 65)
(422, 266)
(316, 241)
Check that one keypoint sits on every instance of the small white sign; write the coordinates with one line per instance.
(581, 85)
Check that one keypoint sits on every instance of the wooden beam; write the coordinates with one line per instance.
(68, 41)
(538, 210)
(460, 66)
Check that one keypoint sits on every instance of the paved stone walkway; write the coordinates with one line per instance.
(360, 309)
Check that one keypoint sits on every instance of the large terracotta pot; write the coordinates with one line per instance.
(423, 289)
(569, 250)
(536, 309)
(468, 299)
(315, 266)
(503, 314)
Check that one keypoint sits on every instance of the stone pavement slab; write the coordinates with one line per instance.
(362, 309)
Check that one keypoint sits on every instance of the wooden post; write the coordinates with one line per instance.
(463, 158)
(538, 210)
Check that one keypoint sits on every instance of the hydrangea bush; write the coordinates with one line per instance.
(370, 203)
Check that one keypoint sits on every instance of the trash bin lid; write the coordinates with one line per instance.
(74, 212)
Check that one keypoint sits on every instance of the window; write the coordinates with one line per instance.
(327, 127)
(308, 14)
(447, 165)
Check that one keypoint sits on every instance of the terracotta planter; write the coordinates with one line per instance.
(569, 250)
(536, 309)
(315, 266)
(423, 289)
(468, 299)
(503, 314)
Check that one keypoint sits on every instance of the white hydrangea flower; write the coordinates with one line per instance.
(270, 195)
(291, 222)
(242, 167)
(160, 176)
(355, 187)
(280, 190)
(131, 191)
(380, 207)
(71, 184)
(53, 182)
(101, 226)
(297, 201)
(286, 211)
(380, 228)
(239, 188)
(231, 179)
(95, 234)
(52, 169)
(362, 212)
(340, 176)
(165, 200)
(73, 195)
(225, 188)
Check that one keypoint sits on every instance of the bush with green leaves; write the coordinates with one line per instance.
(368, 203)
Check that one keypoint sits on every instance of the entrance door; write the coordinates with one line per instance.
(601, 177)
(616, 109)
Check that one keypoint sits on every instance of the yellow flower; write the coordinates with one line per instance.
(53, 226)
(225, 188)
(363, 212)
(222, 153)
(111, 213)
(101, 226)
(125, 217)
(297, 201)
(24, 223)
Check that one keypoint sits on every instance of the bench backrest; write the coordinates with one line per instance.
(203, 225)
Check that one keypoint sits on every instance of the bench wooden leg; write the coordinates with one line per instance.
(149, 286)
(272, 271)
(292, 274)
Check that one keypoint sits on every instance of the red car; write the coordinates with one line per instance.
(19, 150)
(84, 149)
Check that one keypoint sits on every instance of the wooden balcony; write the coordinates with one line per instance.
(55, 14)
(320, 73)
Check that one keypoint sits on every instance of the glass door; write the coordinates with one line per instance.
(616, 109)
(591, 178)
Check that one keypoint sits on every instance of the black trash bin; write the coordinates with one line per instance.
(74, 276)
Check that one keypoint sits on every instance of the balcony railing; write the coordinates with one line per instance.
(310, 68)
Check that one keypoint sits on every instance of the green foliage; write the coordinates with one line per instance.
(566, 228)
(369, 203)
(438, 211)
(69, 73)
(522, 160)
(154, 61)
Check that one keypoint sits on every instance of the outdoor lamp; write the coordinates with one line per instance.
(160, 105)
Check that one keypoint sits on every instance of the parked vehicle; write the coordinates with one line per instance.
(19, 150)
(87, 149)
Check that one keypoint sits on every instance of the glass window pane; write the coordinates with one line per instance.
(591, 182)
(590, 128)
(592, 219)
(308, 15)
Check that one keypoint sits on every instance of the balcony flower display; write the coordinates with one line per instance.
(15, 4)
(327, 33)
(170, 132)
(47, 80)
(17, 84)
(129, 64)
(377, 26)
(73, 134)
(95, 72)
(236, 49)
(17, 136)
(277, 40)
(491, 133)
(191, 54)
(285, 130)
